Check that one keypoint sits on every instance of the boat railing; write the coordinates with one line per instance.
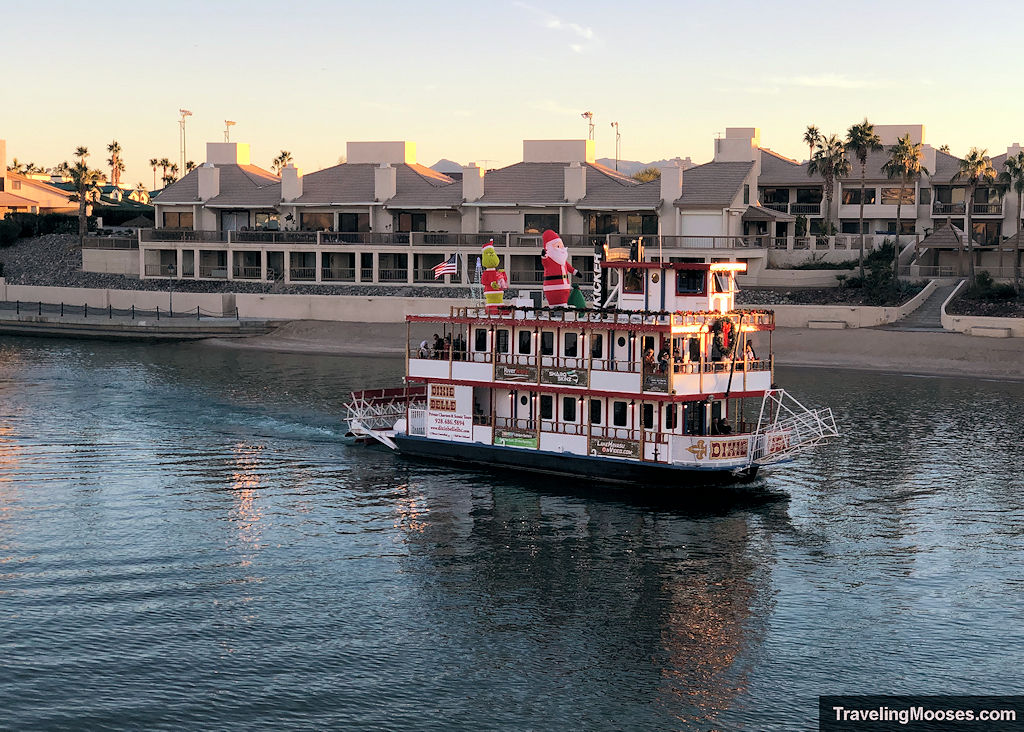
(562, 428)
(617, 433)
(613, 364)
(563, 362)
(430, 354)
(511, 423)
(516, 359)
(483, 420)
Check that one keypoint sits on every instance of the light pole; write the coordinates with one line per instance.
(618, 138)
(589, 116)
(181, 126)
(228, 124)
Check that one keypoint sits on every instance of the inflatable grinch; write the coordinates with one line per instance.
(555, 260)
(493, 279)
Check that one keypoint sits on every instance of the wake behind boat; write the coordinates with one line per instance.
(667, 384)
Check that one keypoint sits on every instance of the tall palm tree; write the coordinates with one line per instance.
(190, 166)
(861, 140)
(945, 149)
(164, 164)
(171, 175)
(830, 162)
(85, 180)
(16, 166)
(1012, 176)
(975, 170)
(812, 138)
(904, 163)
(154, 163)
(281, 161)
(115, 162)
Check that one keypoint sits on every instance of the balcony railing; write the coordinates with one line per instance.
(246, 273)
(392, 275)
(805, 209)
(303, 274)
(160, 270)
(217, 272)
(110, 242)
(182, 235)
(987, 209)
(943, 209)
(272, 237)
(526, 278)
(780, 207)
(338, 274)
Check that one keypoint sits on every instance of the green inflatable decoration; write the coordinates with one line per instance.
(576, 299)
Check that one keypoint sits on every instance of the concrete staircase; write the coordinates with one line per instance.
(927, 317)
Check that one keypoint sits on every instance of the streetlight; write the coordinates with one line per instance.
(181, 125)
(618, 138)
(589, 116)
(228, 124)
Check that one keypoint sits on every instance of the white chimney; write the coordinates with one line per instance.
(575, 182)
(385, 182)
(928, 157)
(291, 183)
(472, 182)
(671, 183)
(209, 181)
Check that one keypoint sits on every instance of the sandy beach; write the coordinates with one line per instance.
(872, 349)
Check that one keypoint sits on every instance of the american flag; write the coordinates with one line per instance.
(449, 267)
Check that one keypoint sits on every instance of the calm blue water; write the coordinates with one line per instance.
(184, 544)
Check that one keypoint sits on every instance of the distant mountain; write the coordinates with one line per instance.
(446, 166)
(630, 167)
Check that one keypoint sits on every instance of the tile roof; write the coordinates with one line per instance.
(608, 189)
(421, 187)
(415, 185)
(946, 236)
(779, 170)
(713, 185)
(240, 185)
(9, 200)
(760, 213)
(524, 183)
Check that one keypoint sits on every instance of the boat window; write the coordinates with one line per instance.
(619, 414)
(480, 339)
(689, 282)
(622, 341)
(648, 342)
(670, 416)
(597, 345)
(694, 348)
(525, 342)
(547, 343)
(693, 415)
(502, 340)
(524, 400)
(721, 282)
(547, 406)
(569, 409)
(570, 349)
(595, 411)
(647, 416)
(633, 281)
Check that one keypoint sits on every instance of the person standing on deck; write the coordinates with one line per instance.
(555, 260)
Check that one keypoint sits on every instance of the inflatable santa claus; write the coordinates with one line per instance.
(555, 260)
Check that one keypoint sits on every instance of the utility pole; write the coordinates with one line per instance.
(589, 116)
(618, 139)
(228, 124)
(181, 126)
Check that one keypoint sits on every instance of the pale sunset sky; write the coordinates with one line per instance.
(470, 80)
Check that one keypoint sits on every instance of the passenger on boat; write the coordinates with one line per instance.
(720, 427)
(424, 351)
(650, 365)
(460, 348)
(663, 361)
(438, 346)
(748, 352)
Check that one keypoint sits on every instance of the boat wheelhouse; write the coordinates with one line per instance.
(672, 384)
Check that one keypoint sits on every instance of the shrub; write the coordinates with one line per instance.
(9, 232)
(985, 288)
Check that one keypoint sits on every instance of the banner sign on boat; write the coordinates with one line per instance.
(522, 374)
(455, 427)
(563, 377)
(515, 438)
(733, 449)
(611, 447)
(656, 382)
(777, 442)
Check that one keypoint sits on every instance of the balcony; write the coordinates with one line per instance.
(302, 274)
(183, 235)
(338, 274)
(987, 209)
(393, 275)
(805, 209)
(246, 273)
(947, 209)
(214, 272)
(161, 270)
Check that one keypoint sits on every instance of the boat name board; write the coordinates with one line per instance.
(614, 447)
(720, 449)
(442, 398)
(515, 438)
(656, 382)
(523, 374)
(456, 427)
(564, 377)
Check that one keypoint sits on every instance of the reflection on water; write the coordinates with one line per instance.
(184, 543)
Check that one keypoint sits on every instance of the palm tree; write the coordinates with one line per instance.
(171, 175)
(812, 138)
(647, 174)
(1012, 176)
(975, 170)
(16, 166)
(904, 163)
(830, 162)
(861, 140)
(945, 149)
(115, 163)
(85, 180)
(190, 166)
(164, 164)
(281, 161)
(154, 163)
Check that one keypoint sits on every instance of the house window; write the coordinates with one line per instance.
(987, 233)
(570, 349)
(808, 195)
(353, 222)
(595, 411)
(644, 224)
(647, 416)
(619, 414)
(850, 227)
(907, 227)
(604, 223)
(316, 221)
(926, 196)
(262, 218)
(177, 219)
(539, 223)
(502, 337)
(547, 406)
(409, 222)
(892, 196)
(746, 193)
(597, 345)
(689, 282)
(569, 409)
(852, 196)
(480, 339)
(774, 195)
(547, 343)
(15, 185)
(525, 342)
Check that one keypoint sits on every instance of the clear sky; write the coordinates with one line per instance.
(470, 80)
